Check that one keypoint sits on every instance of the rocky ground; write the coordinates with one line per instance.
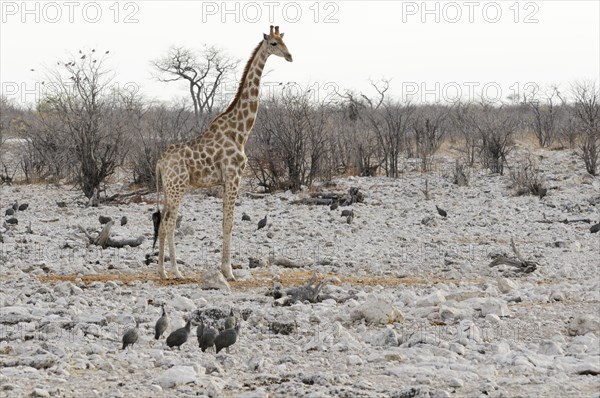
(410, 305)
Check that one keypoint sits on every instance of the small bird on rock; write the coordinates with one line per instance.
(595, 228)
(230, 321)
(346, 213)
(206, 338)
(9, 212)
(104, 220)
(226, 338)
(162, 324)
(441, 212)
(262, 223)
(123, 220)
(15, 206)
(131, 336)
(180, 336)
(12, 221)
(334, 205)
(23, 206)
(246, 217)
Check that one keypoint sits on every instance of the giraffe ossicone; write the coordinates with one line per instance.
(215, 157)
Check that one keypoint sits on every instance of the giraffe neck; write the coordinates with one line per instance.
(244, 106)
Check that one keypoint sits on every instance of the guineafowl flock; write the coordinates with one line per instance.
(208, 336)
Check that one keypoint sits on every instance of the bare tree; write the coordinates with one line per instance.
(290, 143)
(205, 73)
(161, 126)
(355, 138)
(462, 122)
(494, 127)
(587, 112)
(429, 127)
(544, 108)
(82, 120)
(388, 120)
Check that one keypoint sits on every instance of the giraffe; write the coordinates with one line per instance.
(215, 157)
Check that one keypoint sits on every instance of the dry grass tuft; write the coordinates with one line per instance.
(260, 279)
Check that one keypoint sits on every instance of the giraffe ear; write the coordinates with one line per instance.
(265, 36)
(281, 35)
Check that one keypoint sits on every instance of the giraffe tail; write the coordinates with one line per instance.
(156, 216)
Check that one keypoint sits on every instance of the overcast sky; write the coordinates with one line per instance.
(431, 50)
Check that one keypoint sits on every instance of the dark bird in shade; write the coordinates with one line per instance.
(262, 223)
(334, 205)
(156, 222)
(206, 337)
(246, 217)
(180, 336)
(9, 212)
(123, 220)
(595, 228)
(226, 338)
(347, 213)
(162, 324)
(107, 51)
(441, 212)
(23, 206)
(104, 220)
(15, 206)
(131, 336)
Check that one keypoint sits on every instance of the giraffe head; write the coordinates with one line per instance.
(275, 45)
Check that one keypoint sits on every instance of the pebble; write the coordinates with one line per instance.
(40, 392)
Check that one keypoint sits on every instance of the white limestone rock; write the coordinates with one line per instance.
(378, 311)
(177, 375)
(214, 280)
(582, 324)
(496, 306)
(506, 285)
(431, 300)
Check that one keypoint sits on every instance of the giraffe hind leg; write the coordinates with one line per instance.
(169, 222)
(161, 251)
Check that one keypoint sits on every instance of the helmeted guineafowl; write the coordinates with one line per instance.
(180, 336)
(131, 336)
(161, 324)
(226, 338)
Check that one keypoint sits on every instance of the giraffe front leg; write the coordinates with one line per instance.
(170, 222)
(176, 272)
(229, 197)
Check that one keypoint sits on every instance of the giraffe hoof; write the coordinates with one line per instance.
(162, 275)
(178, 275)
(230, 277)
